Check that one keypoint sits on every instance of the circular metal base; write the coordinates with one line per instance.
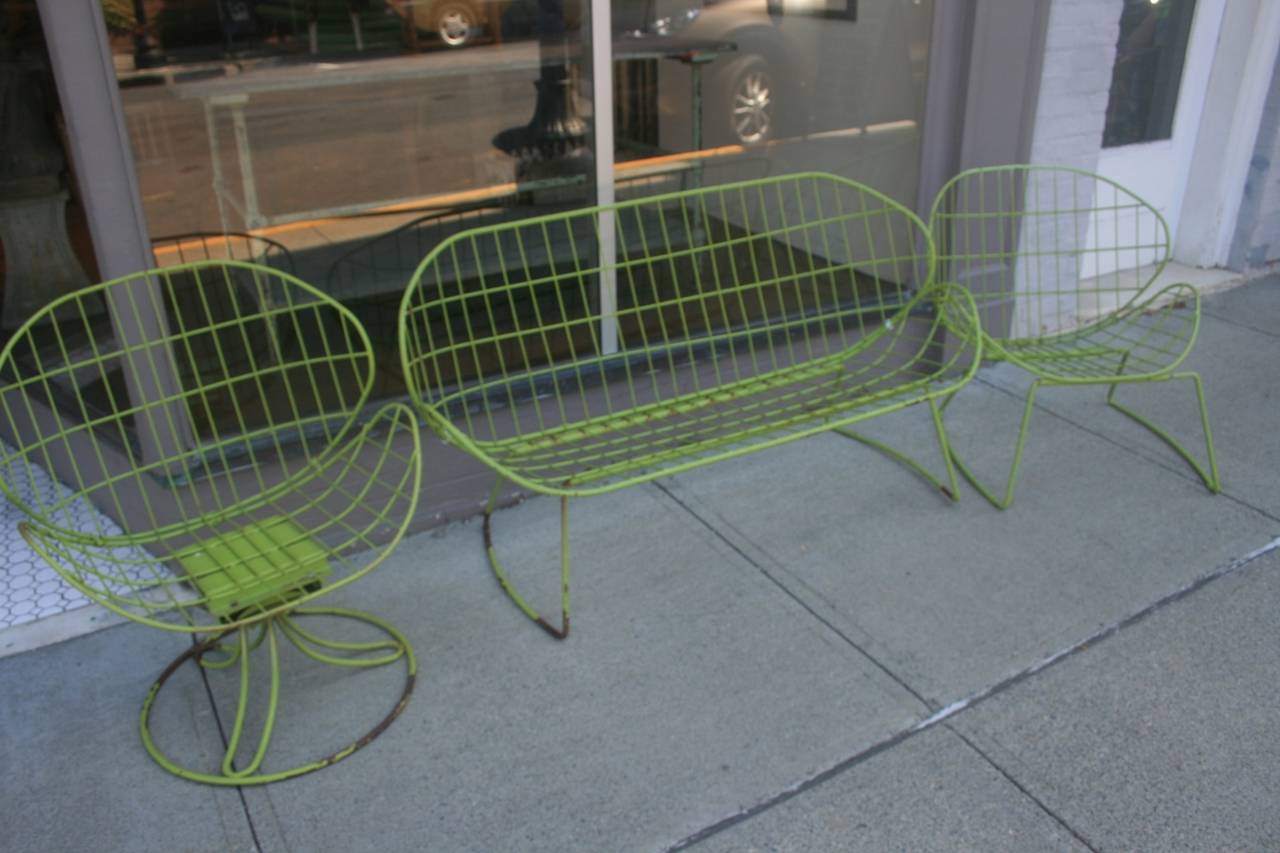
(396, 647)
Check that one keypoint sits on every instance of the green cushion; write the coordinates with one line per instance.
(259, 565)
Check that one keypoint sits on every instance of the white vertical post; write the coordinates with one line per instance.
(244, 155)
(608, 283)
(84, 73)
(602, 119)
(1244, 57)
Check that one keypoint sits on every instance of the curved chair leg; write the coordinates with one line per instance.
(563, 631)
(951, 490)
(1210, 477)
(315, 647)
(1007, 500)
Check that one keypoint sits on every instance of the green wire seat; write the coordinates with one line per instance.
(584, 351)
(1062, 265)
(210, 410)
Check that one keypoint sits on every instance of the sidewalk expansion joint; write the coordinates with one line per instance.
(1230, 322)
(1026, 792)
(222, 733)
(825, 622)
(942, 715)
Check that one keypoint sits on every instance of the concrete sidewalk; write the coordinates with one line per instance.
(801, 650)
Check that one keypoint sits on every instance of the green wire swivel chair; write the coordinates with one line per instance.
(1062, 265)
(209, 411)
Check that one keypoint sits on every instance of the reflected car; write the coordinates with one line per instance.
(453, 23)
(794, 67)
(754, 93)
(799, 66)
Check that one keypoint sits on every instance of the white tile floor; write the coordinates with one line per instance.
(29, 588)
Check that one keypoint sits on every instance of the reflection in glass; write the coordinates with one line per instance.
(775, 86)
(44, 241)
(1148, 70)
(341, 141)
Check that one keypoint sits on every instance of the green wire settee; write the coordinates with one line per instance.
(1063, 265)
(584, 351)
(209, 411)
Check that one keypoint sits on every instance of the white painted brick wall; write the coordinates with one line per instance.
(1075, 83)
(1080, 48)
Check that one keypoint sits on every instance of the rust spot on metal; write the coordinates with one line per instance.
(558, 633)
(199, 650)
(376, 730)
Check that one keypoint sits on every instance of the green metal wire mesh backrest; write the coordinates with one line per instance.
(1045, 249)
(524, 328)
(369, 277)
(189, 403)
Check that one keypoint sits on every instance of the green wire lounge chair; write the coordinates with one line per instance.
(1061, 264)
(210, 411)
(588, 350)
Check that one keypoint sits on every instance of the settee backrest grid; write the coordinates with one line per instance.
(746, 281)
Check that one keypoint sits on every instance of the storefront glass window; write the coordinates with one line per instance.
(1148, 70)
(763, 87)
(342, 140)
(45, 250)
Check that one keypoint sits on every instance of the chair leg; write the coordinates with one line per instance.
(1007, 500)
(563, 631)
(944, 445)
(239, 653)
(1210, 477)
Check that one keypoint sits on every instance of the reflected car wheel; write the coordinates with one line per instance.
(744, 105)
(456, 23)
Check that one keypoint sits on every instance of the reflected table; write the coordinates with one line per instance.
(231, 95)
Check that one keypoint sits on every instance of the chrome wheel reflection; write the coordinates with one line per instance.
(455, 25)
(753, 106)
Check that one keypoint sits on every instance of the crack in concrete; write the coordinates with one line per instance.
(222, 733)
(1026, 792)
(1239, 325)
(827, 623)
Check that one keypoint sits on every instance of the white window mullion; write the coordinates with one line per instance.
(602, 116)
